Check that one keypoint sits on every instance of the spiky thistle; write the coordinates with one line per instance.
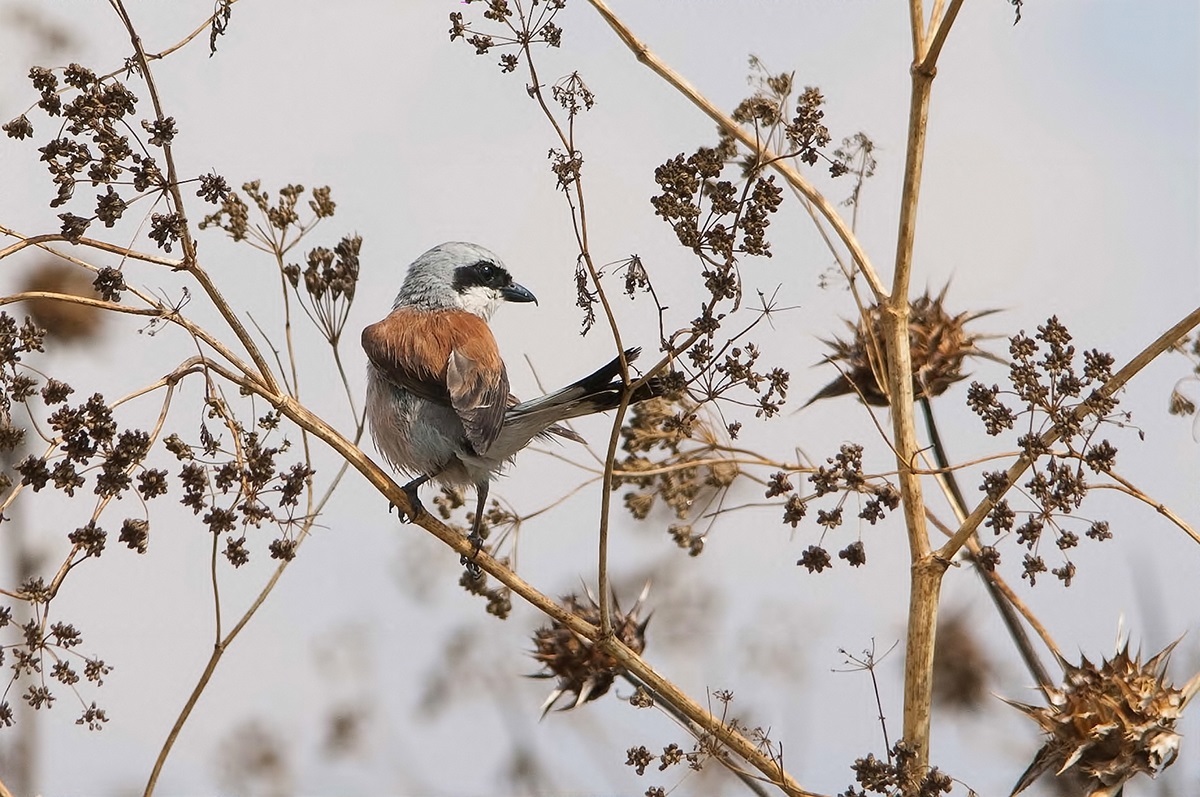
(939, 344)
(1106, 724)
(580, 668)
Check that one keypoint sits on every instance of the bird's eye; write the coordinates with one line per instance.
(490, 274)
(481, 274)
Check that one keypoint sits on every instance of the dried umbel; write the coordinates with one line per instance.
(1108, 723)
(939, 344)
(580, 668)
(674, 453)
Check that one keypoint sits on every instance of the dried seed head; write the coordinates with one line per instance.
(1108, 723)
(939, 342)
(667, 435)
(580, 668)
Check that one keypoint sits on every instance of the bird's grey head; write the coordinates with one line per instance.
(460, 276)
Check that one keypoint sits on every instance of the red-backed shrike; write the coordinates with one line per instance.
(437, 390)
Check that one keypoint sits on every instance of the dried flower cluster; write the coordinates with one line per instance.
(939, 345)
(231, 485)
(88, 439)
(673, 454)
(330, 276)
(719, 221)
(283, 221)
(706, 747)
(889, 777)
(1108, 723)
(516, 33)
(100, 111)
(47, 649)
(1052, 392)
(801, 135)
(715, 218)
(16, 386)
(841, 475)
(580, 669)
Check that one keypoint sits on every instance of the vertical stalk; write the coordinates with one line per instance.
(926, 569)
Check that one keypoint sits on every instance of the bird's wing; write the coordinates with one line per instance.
(448, 357)
(479, 394)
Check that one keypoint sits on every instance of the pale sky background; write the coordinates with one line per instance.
(1061, 177)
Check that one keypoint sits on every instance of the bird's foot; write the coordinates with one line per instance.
(473, 568)
(418, 509)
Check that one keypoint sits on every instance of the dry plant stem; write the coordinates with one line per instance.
(222, 643)
(24, 241)
(940, 27)
(1163, 343)
(927, 569)
(1002, 598)
(205, 25)
(185, 237)
(1125, 486)
(154, 311)
(794, 178)
(579, 223)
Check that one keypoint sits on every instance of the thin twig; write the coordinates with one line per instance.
(40, 241)
(190, 261)
(1125, 486)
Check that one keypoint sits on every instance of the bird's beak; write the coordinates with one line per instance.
(517, 293)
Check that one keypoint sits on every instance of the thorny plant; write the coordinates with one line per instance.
(238, 475)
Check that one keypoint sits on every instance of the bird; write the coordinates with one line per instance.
(438, 402)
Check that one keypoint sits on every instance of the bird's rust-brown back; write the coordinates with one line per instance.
(449, 357)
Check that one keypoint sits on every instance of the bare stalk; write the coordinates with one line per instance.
(927, 570)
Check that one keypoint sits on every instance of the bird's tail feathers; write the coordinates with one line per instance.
(599, 391)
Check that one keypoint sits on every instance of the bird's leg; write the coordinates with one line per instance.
(475, 538)
(410, 491)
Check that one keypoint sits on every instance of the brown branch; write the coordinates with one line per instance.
(930, 58)
(927, 570)
(203, 26)
(24, 241)
(458, 542)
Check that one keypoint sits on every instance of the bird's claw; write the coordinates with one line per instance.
(418, 509)
(473, 568)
